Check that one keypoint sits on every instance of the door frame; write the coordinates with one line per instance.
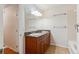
(21, 17)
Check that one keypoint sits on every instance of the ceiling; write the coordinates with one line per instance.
(49, 10)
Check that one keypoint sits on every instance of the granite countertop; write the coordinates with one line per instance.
(38, 34)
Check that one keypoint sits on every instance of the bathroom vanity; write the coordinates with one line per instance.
(37, 43)
(1, 51)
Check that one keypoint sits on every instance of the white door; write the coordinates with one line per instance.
(11, 27)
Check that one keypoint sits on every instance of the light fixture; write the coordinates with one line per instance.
(36, 13)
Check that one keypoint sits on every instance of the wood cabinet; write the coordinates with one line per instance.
(37, 45)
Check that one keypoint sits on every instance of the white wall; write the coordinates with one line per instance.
(71, 24)
(26, 23)
(1, 27)
(78, 22)
(21, 17)
(11, 27)
(60, 36)
(72, 19)
(14, 21)
(77, 41)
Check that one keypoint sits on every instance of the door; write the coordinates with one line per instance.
(11, 27)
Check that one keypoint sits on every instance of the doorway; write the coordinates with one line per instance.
(11, 27)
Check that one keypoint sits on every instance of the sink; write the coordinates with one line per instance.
(36, 34)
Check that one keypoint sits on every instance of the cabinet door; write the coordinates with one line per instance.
(47, 41)
(39, 45)
(42, 47)
(31, 45)
(44, 43)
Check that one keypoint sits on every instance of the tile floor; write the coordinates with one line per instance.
(57, 50)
